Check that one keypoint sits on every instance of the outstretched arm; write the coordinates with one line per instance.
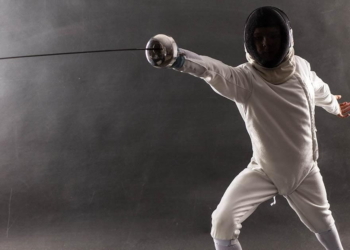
(344, 108)
(233, 83)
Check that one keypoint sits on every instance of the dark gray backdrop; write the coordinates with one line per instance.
(102, 151)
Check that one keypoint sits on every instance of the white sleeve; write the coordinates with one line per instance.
(233, 83)
(323, 95)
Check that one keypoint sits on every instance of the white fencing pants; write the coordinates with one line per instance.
(252, 187)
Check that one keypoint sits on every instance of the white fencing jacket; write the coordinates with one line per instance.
(279, 118)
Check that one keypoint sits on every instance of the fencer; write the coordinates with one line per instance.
(276, 93)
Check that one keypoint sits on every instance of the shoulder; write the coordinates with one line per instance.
(244, 68)
(301, 62)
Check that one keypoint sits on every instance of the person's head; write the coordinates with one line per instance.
(268, 36)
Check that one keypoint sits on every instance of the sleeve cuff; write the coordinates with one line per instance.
(336, 106)
(179, 62)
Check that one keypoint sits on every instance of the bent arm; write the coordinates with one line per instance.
(233, 83)
(323, 96)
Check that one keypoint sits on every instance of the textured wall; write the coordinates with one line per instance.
(106, 151)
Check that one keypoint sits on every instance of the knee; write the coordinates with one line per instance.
(324, 229)
(220, 221)
(320, 225)
(225, 222)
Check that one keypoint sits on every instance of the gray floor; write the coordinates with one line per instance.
(154, 225)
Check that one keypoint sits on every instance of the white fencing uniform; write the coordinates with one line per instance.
(280, 121)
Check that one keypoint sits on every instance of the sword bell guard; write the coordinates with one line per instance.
(162, 51)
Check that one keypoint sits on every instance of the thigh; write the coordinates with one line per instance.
(310, 202)
(248, 190)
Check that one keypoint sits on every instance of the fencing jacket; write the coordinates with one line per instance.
(278, 117)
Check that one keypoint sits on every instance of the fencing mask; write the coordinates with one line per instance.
(263, 26)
